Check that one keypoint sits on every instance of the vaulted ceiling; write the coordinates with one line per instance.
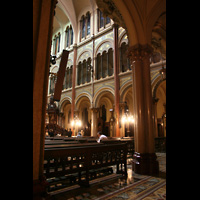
(142, 19)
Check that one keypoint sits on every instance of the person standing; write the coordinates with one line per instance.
(69, 133)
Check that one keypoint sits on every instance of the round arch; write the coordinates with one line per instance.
(123, 39)
(102, 44)
(102, 92)
(64, 102)
(158, 10)
(126, 10)
(83, 105)
(54, 69)
(159, 82)
(123, 89)
(84, 56)
(78, 98)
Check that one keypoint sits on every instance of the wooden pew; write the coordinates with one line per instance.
(64, 141)
(57, 142)
(68, 145)
(81, 139)
(62, 163)
(116, 140)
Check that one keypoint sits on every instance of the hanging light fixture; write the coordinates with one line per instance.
(127, 119)
(76, 123)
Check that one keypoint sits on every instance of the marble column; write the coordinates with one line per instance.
(144, 157)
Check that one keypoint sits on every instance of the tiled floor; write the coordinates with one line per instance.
(116, 187)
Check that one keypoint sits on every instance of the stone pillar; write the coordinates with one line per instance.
(116, 78)
(43, 11)
(73, 86)
(94, 127)
(144, 157)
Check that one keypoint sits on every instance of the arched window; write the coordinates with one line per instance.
(84, 75)
(107, 20)
(70, 76)
(103, 22)
(104, 64)
(52, 84)
(124, 61)
(79, 73)
(67, 83)
(110, 62)
(101, 19)
(85, 26)
(56, 44)
(88, 71)
(88, 23)
(82, 26)
(58, 38)
(67, 37)
(71, 33)
(98, 70)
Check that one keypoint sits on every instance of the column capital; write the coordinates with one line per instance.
(139, 52)
(74, 46)
(94, 109)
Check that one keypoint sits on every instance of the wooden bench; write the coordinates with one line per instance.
(62, 163)
(69, 145)
(56, 142)
(116, 140)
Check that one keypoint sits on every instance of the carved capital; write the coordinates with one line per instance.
(95, 109)
(139, 52)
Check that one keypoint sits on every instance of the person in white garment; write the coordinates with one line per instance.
(100, 136)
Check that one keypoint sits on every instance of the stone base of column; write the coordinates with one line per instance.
(145, 163)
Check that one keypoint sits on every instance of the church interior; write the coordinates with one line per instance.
(99, 66)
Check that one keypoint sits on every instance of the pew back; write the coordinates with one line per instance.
(60, 162)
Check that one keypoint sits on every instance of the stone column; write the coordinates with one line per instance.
(73, 86)
(94, 121)
(144, 157)
(116, 78)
